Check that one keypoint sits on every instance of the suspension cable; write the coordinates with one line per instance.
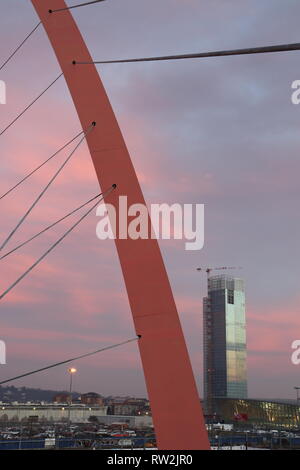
(40, 166)
(45, 188)
(76, 6)
(71, 360)
(49, 227)
(253, 50)
(29, 106)
(19, 46)
(112, 188)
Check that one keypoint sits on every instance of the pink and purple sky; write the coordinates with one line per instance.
(220, 131)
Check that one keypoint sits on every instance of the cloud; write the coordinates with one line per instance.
(222, 132)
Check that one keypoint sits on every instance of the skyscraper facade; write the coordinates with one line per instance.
(224, 330)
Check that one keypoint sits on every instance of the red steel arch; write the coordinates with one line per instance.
(176, 409)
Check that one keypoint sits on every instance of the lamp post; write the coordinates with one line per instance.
(71, 371)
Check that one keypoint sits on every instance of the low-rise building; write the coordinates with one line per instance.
(91, 398)
(54, 412)
(266, 414)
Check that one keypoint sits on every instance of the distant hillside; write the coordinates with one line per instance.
(24, 394)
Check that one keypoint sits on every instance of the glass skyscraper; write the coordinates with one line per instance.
(224, 331)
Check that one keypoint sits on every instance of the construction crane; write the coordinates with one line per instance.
(208, 270)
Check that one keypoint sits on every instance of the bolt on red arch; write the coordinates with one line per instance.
(166, 364)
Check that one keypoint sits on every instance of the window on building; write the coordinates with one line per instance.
(230, 296)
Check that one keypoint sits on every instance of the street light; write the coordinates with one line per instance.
(71, 371)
